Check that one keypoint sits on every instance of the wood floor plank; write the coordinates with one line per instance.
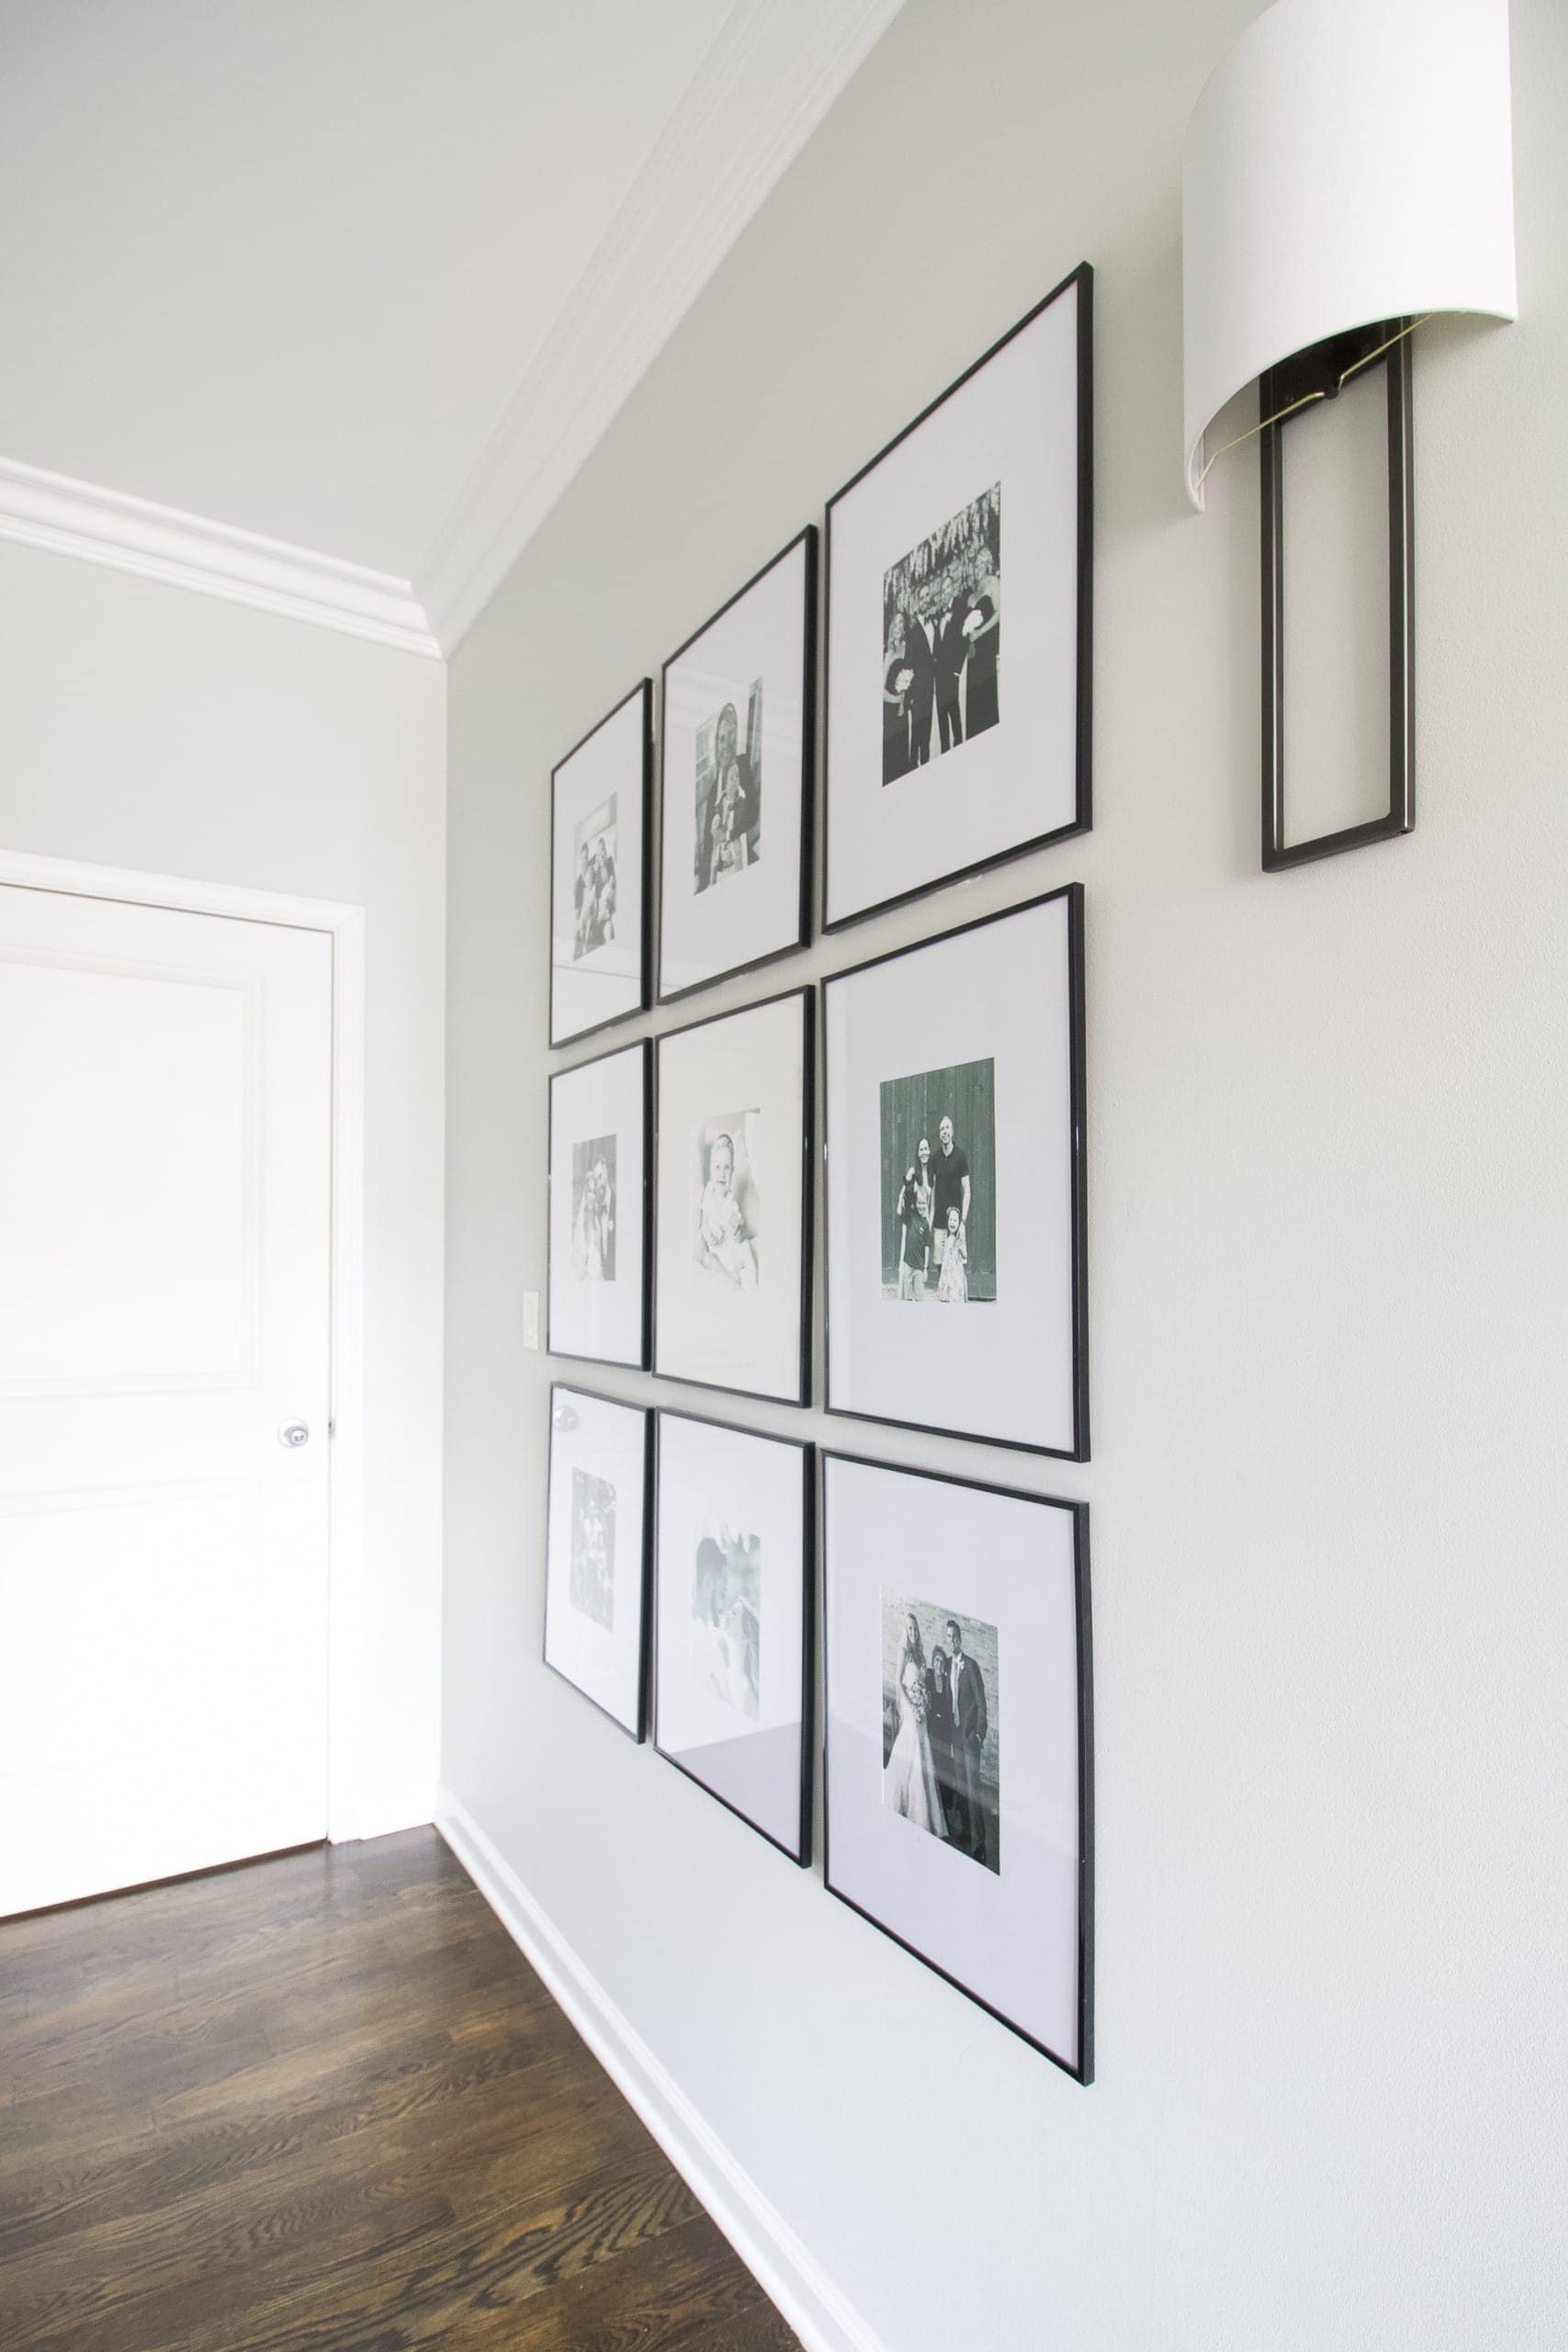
(322, 2104)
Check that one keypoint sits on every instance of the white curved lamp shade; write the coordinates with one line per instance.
(1348, 161)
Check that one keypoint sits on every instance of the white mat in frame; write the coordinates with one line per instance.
(984, 1021)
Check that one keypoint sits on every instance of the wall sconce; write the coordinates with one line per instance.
(1348, 173)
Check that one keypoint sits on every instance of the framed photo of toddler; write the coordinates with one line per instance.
(953, 1081)
(732, 1200)
(958, 1781)
(601, 799)
(734, 1572)
(600, 1115)
(735, 780)
(598, 1551)
(955, 736)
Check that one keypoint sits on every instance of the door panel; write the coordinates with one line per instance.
(165, 1266)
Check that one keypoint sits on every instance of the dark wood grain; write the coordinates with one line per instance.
(322, 2104)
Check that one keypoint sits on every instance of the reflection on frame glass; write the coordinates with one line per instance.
(957, 1764)
(732, 1620)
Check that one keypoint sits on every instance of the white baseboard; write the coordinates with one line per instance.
(787, 2272)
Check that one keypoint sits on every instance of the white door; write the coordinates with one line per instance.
(164, 1310)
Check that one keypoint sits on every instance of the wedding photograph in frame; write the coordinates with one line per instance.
(734, 1581)
(958, 1765)
(599, 1208)
(957, 620)
(735, 773)
(733, 1102)
(599, 1551)
(955, 1211)
(601, 819)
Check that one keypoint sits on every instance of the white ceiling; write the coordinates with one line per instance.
(294, 265)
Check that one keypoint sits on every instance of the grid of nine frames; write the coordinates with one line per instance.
(907, 1282)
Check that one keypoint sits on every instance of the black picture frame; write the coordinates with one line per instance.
(642, 894)
(1082, 2071)
(1073, 893)
(1082, 280)
(807, 541)
(560, 1388)
(806, 995)
(552, 1347)
(800, 1853)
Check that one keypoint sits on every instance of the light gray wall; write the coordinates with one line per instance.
(142, 726)
(1328, 1292)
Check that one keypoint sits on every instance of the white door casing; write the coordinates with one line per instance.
(166, 1269)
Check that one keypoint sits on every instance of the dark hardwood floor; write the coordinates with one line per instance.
(322, 2104)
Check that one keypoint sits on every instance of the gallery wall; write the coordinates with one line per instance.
(1328, 1294)
(145, 726)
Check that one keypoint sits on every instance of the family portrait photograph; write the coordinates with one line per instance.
(939, 759)
(600, 1205)
(735, 1563)
(954, 1166)
(942, 613)
(594, 885)
(728, 793)
(601, 810)
(943, 1597)
(939, 1186)
(599, 1551)
(941, 1726)
(737, 715)
(732, 1200)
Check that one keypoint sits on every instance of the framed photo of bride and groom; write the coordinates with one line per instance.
(957, 1762)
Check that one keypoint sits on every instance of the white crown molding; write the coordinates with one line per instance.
(768, 77)
(789, 2273)
(44, 509)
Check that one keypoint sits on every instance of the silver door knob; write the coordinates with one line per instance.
(293, 1434)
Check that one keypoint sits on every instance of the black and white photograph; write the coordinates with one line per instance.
(938, 764)
(955, 1156)
(726, 1619)
(736, 739)
(599, 1551)
(593, 1209)
(939, 1186)
(733, 1619)
(942, 1725)
(601, 810)
(947, 1604)
(593, 1589)
(727, 1200)
(942, 616)
(599, 1208)
(594, 880)
(728, 793)
(732, 1251)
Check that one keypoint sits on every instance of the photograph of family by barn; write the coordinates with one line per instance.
(941, 639)
(939, 1186)
(941, 1747)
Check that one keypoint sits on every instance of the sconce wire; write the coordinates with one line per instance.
(1307, 398)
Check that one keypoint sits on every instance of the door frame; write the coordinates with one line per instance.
(348, 1806)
